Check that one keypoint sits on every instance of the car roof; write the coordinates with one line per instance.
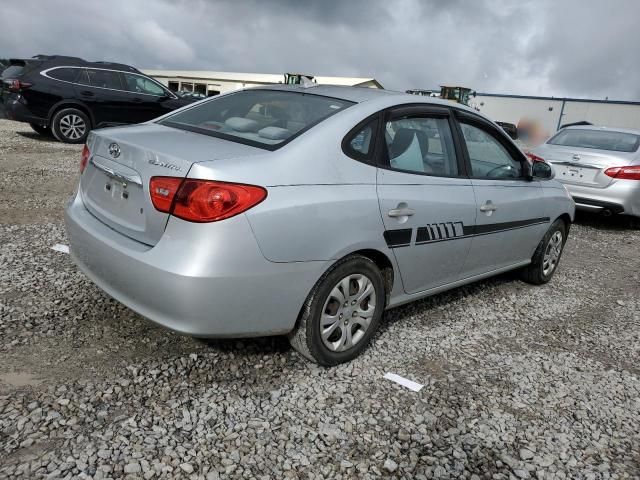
(605, 129)
(363, 94)
(63, 60)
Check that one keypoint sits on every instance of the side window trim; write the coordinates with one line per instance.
(427, 110)
(498, 134)
(44, 73)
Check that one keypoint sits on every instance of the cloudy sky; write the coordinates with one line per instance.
(578, 48)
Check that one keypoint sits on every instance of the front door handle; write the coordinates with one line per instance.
(401, 212)
(86, 93)
(488, 207)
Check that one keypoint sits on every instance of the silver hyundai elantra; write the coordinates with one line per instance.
(308, 211)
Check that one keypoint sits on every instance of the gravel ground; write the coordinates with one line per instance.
(520, 381)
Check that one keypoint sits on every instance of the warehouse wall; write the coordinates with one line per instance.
(547, 111)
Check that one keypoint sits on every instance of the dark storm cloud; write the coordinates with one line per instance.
(545, 47)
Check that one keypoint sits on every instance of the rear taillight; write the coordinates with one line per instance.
(16, 85)
(203, 200)
(162, 191)
(625, 173)
(84, 158)
(533, 157)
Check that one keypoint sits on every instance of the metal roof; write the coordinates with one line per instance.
(560, 99)
(262, 78)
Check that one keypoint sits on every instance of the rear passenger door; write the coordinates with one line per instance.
(510, 218)
(425, 199)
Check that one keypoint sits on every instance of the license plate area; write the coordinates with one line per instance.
(115, 201)
(575, 174)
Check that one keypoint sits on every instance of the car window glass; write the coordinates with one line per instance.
(12, 71)
(64, 74)
(360, 144)
(83, 77)
(421, 145)
(256, 116)
(104, 79)
(139, 84)
(488, 158)
(598, 139)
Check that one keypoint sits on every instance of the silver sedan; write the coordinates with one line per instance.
(308, 211)
(599, 166)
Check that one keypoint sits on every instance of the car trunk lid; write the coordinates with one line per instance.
(115, 182)
(584, 166)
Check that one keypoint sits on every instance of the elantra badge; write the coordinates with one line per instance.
(170, 166)
(114, 150)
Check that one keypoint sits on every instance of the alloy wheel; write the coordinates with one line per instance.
(552, 253)
(72, 126)
(347, 312)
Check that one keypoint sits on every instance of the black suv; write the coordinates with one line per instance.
(67, 96)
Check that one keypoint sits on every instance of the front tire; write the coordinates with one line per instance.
(546, 258)
(342, 312)
(71, 125)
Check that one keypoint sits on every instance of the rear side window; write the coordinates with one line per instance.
(104, 79)
(598, 139)
(360, 142)
(64, 74)
(262, 118)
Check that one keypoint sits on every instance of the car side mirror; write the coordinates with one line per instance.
(542, 171)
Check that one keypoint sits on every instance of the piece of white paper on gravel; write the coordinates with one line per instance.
(405, 382)
(58, 247)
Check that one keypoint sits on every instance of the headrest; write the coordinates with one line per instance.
(240, 124)
(274, 133)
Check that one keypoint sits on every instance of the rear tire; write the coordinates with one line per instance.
(342, 312)
(546, 258)
(41, 130)
(70, 125)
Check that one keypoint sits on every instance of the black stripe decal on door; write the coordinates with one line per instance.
(398, 238)
(442, 232)
(501, 227)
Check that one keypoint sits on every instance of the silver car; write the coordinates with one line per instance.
(308, 211)
(599, 166)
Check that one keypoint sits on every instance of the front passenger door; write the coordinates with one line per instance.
(148, 100)
(511, 215)
(426, 201)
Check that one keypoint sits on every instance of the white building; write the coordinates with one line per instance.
(212, 83)
(551, 113)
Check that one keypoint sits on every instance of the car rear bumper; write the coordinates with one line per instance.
(12, 109)
(621, 196)
(205, 280)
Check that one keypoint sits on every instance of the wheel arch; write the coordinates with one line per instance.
(383, 262)
(71, 104)
(566, 218)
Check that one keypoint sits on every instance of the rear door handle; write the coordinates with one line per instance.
(401, 212)
(488, 207)
(86, 93)
(137, 100)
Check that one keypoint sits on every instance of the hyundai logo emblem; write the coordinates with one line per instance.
(114, 150)
(576, 157)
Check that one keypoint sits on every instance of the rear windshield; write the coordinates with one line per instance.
(262, 118)
(13, 71)
(599, 139)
